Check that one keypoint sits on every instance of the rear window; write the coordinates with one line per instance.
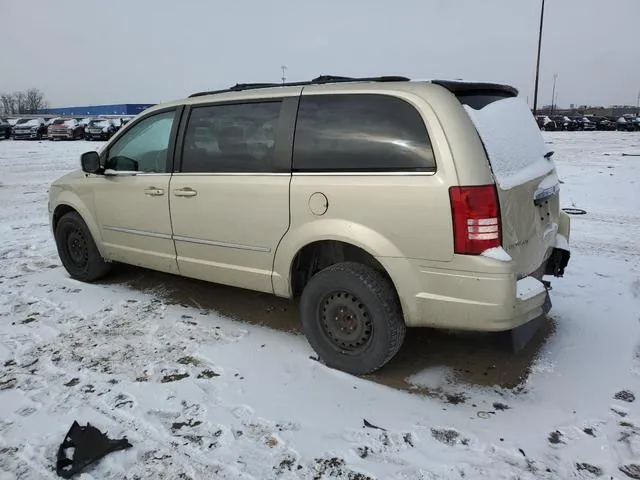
(512, 140)
(360, 133)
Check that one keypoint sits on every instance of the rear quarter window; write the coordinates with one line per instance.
(360, 133)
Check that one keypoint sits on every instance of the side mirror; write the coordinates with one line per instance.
(90, 162)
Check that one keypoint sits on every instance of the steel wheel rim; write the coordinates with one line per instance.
(78, 248)
(345, 322)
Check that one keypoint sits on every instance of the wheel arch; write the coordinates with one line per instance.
(66, 204)
(369, 244)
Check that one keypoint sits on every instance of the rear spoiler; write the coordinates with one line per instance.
(471, 88)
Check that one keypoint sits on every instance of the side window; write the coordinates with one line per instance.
(144, 148)
(360, 133)
(231, 138)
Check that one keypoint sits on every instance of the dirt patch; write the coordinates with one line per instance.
(28, 320)
(189, 423)
(625, 396)
(335, 468)
(589, 431)
(208, 374)
(189, 361)
(455, 398)
(72, 383)
(556, 438)
(501, 406)
(592, 469)
(446, 436)
(7, 384)
(631, 470)
(173, 377)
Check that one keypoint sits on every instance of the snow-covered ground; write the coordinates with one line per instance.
(204, 396)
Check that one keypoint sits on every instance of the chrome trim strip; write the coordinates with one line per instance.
(143, 233)
(179, 238)
(364, 174)
(230, 174)
(305, 174)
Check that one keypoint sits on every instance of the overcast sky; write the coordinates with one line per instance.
(139, 51)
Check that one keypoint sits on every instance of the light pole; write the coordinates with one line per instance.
(553, 93)
(638, 105)
(535, 94)
(284, 73)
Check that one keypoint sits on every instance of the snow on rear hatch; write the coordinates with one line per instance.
(528, 186)
(512, 140)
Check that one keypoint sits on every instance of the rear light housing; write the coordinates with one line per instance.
(475, 213)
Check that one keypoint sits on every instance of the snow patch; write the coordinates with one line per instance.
(513, 142)
(497, 253)
(528, 288)
(562, 242)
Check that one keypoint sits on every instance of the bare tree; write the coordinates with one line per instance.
(8, 103)
(20, 101)
(34, 100)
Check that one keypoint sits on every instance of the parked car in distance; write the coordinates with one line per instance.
(588, 124)
(65, 129)
(101, 128)
(376, 217)
(5, 128)
(29, 128)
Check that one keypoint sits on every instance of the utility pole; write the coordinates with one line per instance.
(284, 73)
(638, 105)
(553, 93)
(535, 94)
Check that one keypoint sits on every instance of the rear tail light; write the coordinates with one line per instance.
(476, 219)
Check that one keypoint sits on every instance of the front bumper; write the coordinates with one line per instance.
(25, 135)
(63, 135)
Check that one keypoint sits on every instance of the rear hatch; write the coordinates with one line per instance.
(525, 175)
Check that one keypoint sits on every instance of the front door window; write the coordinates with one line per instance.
(145, 147)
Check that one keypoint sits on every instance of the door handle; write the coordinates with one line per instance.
(153, 191)
(185, 192)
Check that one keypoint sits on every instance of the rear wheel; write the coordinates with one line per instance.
(352, 317)
(77, 250)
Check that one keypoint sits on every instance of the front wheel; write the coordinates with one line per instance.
(77, 250)
(352, 318)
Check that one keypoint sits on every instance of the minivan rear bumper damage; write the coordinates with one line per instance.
(483, 295)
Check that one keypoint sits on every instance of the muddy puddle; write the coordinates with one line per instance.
(477, 359)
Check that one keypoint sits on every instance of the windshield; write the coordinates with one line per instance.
(99, 123)
(58, 122)
(29, 122)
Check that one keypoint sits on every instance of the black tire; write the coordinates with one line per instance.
(368, 328)
(77, 250)
(7, 134)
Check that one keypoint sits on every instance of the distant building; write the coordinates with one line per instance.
(95, 110)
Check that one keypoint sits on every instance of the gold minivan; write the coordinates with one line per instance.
(379, 202)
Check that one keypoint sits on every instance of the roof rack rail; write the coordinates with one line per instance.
(321, 80)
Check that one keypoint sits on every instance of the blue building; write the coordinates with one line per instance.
(97, 110)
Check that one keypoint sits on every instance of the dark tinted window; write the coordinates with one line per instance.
(231, 138)
(360, 133)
